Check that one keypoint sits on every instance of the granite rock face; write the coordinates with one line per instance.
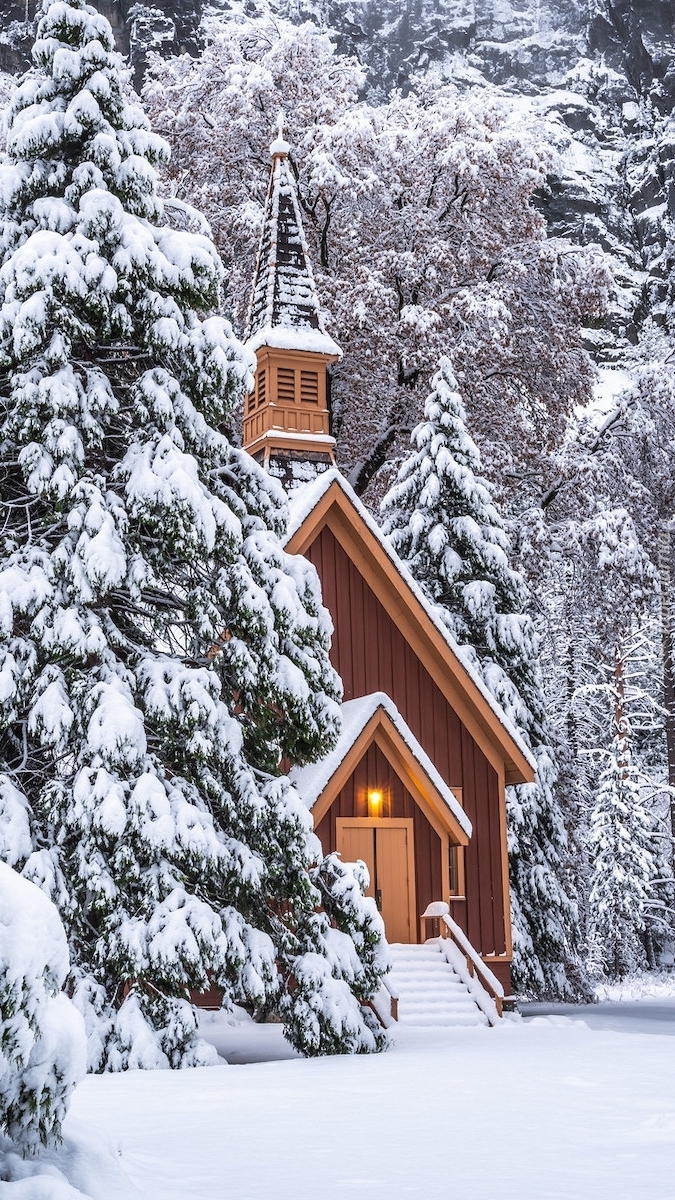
(170, 26)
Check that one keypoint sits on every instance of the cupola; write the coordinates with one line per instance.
(286, 418)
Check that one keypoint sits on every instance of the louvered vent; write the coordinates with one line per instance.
(309, 387)
(286, 385)
(262, 388)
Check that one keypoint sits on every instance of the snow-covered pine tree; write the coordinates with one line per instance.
(442, 520)
(42, 1040)
(159, 652)
(623, 852)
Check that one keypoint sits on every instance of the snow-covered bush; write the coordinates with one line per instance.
(42, 1042)
(341, 960)
(321, 1014)
(160, 653)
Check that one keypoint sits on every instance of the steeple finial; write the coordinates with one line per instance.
(280, 147)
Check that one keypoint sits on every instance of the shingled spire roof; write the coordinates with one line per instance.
(284, 311)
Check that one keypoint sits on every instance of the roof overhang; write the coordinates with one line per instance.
(298, 339)
(330, 502)
(375, 719)
(279, 439)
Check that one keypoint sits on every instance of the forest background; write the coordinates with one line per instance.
(494, 183)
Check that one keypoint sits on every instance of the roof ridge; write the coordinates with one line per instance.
(312, 779)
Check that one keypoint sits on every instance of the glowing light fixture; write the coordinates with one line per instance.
(374, 802)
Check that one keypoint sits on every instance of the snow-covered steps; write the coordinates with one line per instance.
(429, 989)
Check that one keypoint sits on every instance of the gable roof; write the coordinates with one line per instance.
(330, 501)
(375, 718)
(284, 310)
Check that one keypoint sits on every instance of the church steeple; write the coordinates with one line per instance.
(286, 422)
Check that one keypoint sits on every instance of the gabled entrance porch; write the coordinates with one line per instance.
(378, 798)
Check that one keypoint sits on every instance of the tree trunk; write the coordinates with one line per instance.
(648, 942)
(666, 573)
(619, 690)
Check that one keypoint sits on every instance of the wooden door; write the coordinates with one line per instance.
(386, 847)
(394, 884)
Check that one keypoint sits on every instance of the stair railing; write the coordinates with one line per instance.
(385, 1003)
(483, 984)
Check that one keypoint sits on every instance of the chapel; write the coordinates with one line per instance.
(416, 785)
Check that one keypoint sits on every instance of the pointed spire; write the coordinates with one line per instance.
(284, 311)
(287, 417)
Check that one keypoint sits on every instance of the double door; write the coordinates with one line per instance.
(386, 846)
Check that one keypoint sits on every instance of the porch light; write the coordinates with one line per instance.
(374, 802)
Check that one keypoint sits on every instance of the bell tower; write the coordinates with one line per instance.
(286, 417)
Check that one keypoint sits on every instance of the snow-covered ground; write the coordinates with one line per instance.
(644, 985)
(632, 1016)
(642, 1003)
(542, 1109)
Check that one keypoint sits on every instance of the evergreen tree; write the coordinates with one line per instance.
(624, 858)
(42, 1042)
(442, 520)
(160, 654)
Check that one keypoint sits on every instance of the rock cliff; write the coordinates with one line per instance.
(600, 74)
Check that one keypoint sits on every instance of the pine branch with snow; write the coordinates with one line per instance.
(341, 955)
(42, 1040)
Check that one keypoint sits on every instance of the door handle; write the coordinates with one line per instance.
(378, 899)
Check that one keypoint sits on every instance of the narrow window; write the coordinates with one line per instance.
(286, 385)
(309, 387)
(454, 870)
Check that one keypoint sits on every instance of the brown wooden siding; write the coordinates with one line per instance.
(372, 655)
(375, 771)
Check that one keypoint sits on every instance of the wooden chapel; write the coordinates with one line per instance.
(416, 785)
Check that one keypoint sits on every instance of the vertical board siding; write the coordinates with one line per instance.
(372, 655)
(428, 862)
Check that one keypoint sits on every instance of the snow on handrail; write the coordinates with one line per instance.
(465, 946)
(385, 1005)
(485, 988)
(390, 987)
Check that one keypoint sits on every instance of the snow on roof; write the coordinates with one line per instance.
(305, 499)
(284, 301)
(290, 435)
(289, 337)
(311, 780)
